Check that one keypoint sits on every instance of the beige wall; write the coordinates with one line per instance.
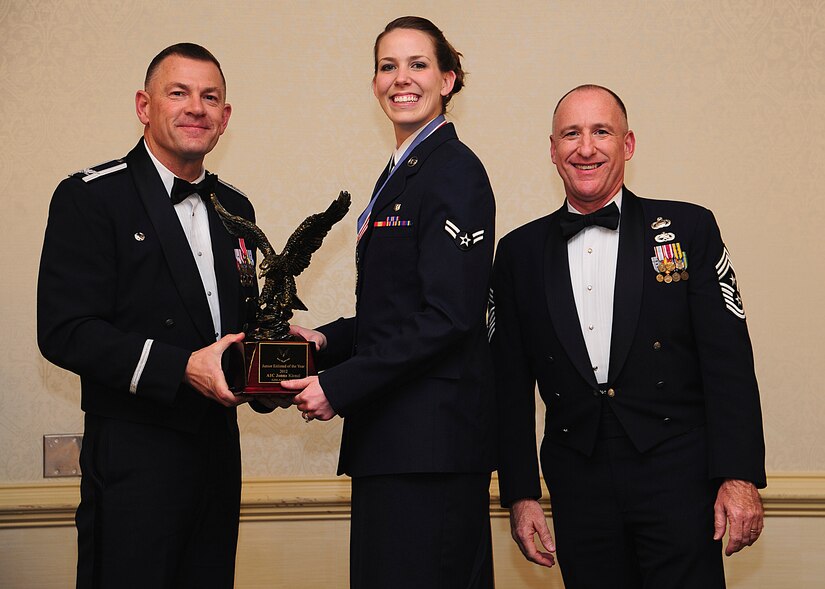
(726, 98)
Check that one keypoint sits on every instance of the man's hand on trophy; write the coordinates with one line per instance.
(310, 335)
(311, 401)
(205, 375)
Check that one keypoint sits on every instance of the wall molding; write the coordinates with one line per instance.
(52, 504)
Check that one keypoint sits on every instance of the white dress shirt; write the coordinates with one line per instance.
(592, 254)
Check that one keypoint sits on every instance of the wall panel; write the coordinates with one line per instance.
(295, 534)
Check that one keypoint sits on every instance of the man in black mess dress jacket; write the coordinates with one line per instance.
(140, 294)
(626, 312)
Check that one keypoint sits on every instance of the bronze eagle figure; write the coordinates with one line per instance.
(279, 296)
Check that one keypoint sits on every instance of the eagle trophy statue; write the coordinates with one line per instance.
(279, 296)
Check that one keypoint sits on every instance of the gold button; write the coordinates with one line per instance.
(611, 393)
(657, 346)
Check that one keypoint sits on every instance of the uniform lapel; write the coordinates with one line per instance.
(176, 249)
(627, 300)
(560, 301)
(364, 238)
(226, 272)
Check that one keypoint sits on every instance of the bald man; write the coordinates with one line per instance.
(626, 312)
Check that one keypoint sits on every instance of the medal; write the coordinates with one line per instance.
(412, 161)
(245, 263)
(669, 261)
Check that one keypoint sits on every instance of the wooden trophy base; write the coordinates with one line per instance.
(258, 368)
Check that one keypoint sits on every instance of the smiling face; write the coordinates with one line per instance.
(184, 112)
(590, 145)
(408, 83)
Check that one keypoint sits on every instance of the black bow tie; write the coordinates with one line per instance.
(572, 223)
(181, 189)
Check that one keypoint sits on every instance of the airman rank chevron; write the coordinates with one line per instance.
(729, 286)
(463, 239)
(100, 170)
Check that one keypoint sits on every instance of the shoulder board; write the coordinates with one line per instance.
(95, 172)
(228, 185)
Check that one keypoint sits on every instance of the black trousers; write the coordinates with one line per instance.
(159, 508)
(415, 531)
(627, 520)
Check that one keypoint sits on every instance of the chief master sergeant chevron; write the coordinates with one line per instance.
(627, 313)
(139, 286)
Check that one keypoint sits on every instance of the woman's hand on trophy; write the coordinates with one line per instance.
(310, 335)
(311, 400)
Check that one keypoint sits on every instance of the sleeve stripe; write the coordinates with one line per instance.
(144, 357)
(491, 316)
(723, 263)
(735, 310)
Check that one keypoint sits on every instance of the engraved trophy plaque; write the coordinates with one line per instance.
(270, 354)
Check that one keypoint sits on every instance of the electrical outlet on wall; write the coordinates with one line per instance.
(61, 455)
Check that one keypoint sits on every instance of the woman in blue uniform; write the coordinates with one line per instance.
(410, 372)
